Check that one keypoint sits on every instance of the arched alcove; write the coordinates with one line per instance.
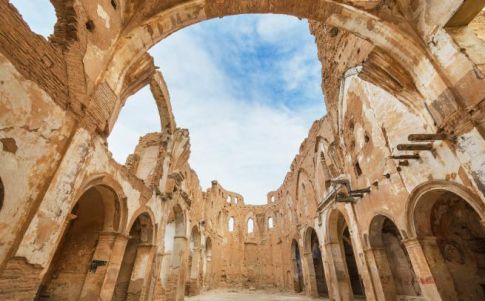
(314, 263)
(97, 210)
(2, 194)
(340, 244)
(208, 262)
(250, 226)
(231, 223)
(174, 243)
(192, 285)
(298, 282)
(392, 260)
(134, 258)
(458, 244)
(270, 223)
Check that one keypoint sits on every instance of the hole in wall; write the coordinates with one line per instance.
(90, 25)
(40, 15)
(2, 193)
(131, 125)
(114, 4)
(231, 224)
(358, 170)
(250, 226)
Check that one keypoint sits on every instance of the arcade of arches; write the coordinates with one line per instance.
(385, 200)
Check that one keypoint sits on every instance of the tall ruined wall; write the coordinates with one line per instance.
(360, 199)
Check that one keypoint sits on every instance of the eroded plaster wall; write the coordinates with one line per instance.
(390, 69)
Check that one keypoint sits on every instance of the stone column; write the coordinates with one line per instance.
(208, 273)
(327, 271)
(381, 273)
(340, 279)
(433, 277)
(140, 276)
(94, 279)
(194, 287)
(175, 289)
(111, 275)
(360, 259)
(312, 288)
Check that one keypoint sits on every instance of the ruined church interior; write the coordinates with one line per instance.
(385, 199)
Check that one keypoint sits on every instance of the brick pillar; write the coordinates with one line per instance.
(194, 284)
(311, 288)
(340, 280)
(111, 275)
(433, 276)
(94, 279)
(381, 273)
(140, 276)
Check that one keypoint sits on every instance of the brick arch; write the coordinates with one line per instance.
(107, 181)
(148, 217)
(418, 195)
(384, 35)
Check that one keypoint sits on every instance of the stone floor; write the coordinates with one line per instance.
(246, 295)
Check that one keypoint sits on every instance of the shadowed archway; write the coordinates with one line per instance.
(298, 282)
(313, 257)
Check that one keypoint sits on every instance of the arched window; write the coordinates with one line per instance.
(230, 224)
(2, 194)
(228, 199)
(270, 223)
(250, 226)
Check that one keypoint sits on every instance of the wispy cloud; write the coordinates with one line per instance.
(247, 88)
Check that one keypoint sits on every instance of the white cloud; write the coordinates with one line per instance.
(274, 28)
(244, 140)
(247, 144)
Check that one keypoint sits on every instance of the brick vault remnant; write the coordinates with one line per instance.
(385, 201)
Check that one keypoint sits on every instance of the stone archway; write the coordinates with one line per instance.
(132, 277)
(396, 274)
(164, 20)
(452, 236)
(317, 284)
(192, 287)
(208, 263)
(340, 246)
(79, 265)
(175, 245)
(298, 282)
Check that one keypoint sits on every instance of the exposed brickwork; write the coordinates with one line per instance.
(385, 197)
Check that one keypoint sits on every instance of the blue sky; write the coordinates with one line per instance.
(247, 88)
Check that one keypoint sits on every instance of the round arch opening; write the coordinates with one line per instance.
(298, 282)
(450, 225)
(134, 257)
(96, 211)
(392, 260)
(314, 262)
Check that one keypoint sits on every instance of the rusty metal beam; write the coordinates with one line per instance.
(359, 191)
(415, 147)
(426, 137)
(406, 157)
(347, 199)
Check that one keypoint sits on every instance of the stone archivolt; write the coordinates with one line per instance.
(386, 198)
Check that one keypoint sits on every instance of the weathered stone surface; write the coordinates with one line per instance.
(362, 210)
